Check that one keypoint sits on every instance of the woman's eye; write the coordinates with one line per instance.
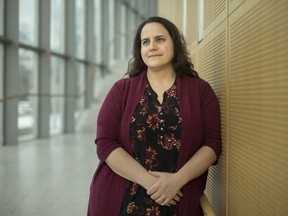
(145, 42)
(160, 39)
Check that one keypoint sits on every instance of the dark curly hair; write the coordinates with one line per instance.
(181, 62)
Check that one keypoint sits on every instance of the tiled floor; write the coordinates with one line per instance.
(47, 177)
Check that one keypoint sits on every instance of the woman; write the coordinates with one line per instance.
(158, 131)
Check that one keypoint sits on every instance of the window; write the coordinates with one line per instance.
(57, 25)
(97, 30)
(1, 17)
(80, 29)
(122, 29)
(200, 20)
(112, 29)
(80, 102)
(184, 17)
(28, 22)
(57, 96)
(1, 94)
(27, 105)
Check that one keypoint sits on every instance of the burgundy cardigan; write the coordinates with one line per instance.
(200, 114)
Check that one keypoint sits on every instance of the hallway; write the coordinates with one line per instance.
(47, 177)
(58, 59)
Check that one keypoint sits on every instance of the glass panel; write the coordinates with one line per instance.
(80, 29)
(80, 102)
(97, 85)
(1, 94)
(57, 25)
(97, 30)
(112, 27)
(28, 21)
(200, 20)
(1, 17)
(57, 99)
(27, 105)
(124, 34)
(184, 17)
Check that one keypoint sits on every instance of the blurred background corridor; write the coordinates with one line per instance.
(58, 59)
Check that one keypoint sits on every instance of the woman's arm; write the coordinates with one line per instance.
(127, 167)
(169, 184)
(197, 165)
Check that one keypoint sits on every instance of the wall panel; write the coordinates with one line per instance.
(212, 9)
(258, 107)
(244, 56)
(172, 10)
(191, 21)
(212, 68)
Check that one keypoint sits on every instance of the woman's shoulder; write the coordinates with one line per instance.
(194, 81)
(123, 81)
(196, 85)
(126, 81)
(127, 84)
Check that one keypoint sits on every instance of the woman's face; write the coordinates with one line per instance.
(156, 46)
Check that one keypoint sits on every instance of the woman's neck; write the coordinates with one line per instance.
(161, 81)
(161, 77)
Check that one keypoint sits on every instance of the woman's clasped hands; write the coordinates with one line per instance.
(166, 190)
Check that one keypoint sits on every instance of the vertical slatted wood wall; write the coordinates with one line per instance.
(244, 56)
(258, 109)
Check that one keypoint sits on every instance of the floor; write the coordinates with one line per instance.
(47, 177)
(52, 177)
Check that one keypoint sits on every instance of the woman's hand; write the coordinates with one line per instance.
(166, 190)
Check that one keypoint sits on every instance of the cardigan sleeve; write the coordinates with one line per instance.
(211, 115)
(108, 123)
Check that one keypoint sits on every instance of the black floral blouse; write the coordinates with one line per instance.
(155, 131)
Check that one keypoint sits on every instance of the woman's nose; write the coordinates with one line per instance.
(152, 45)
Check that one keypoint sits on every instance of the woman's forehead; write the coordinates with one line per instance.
(153, 29)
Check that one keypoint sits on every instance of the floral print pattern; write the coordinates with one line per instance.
(155, 132)
(153, 121)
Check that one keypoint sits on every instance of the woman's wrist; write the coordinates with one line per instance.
(181, 178)
(147, 181)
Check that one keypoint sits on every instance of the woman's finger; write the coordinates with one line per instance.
(172, 202)
(160, 200)
(176, 198)
(180, 194)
